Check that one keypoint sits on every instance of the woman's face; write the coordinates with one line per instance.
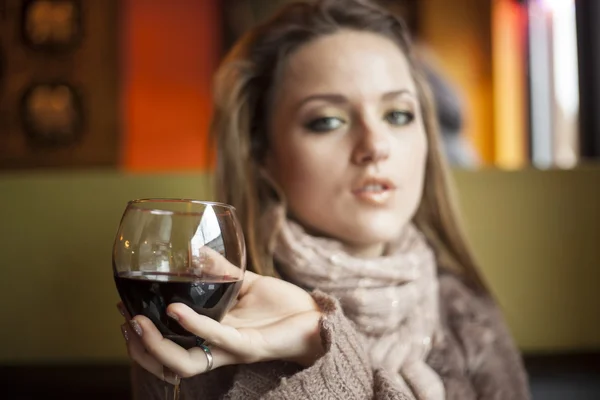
(348, 144)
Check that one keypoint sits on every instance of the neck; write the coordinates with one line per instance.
(365, 251)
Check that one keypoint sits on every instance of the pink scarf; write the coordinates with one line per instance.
(393, 299)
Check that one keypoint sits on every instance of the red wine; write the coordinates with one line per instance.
(149, 294)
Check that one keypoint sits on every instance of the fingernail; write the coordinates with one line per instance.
(172, 315)
(124, 332)
(120, 308)
(136, 327)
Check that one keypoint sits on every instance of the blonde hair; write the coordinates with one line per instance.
(243, 87)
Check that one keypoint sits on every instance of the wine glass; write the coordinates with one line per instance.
(178, 251)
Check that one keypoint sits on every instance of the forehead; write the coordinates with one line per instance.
(347, 62)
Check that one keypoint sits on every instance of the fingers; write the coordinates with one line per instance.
(222, 336)
(138, 353)
(165, 359)
(220, 358)
(167, 352)
(249, 279)
(184, 363)
(212, 262)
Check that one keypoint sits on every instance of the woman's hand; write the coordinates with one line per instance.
(272, 320)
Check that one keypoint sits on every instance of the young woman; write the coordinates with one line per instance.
(363, 285)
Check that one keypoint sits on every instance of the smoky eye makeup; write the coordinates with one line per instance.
(399, 117)
(324, 124)
(322, 121)
(400, 113)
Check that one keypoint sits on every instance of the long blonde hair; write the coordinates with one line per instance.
(243, 88)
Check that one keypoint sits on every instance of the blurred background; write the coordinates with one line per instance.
(102, 101)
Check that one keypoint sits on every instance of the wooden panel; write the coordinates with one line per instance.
(89, 66)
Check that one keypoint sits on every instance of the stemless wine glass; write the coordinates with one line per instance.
(178, 251)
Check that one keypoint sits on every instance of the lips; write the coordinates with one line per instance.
(374, 190)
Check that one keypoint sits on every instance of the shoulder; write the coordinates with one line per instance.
(470, 315)
(469, 318)
(475, 332)
(458, 298)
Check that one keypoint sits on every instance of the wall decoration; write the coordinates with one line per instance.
(51, 24)
(59, 95)
(52, 114)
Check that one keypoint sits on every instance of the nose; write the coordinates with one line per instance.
(373, 145)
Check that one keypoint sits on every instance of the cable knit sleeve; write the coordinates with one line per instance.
(476, 359)
(344, 372)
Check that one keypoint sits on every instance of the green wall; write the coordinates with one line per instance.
(536, 235)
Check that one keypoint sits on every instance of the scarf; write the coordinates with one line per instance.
(392, 299)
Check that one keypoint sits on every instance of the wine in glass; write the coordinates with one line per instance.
(178, 251)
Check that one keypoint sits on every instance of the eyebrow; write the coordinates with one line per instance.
(341, 99)
(398, 93)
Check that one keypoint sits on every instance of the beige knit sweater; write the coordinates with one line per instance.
(477, 360)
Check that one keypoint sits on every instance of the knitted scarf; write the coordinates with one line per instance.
(392, 299)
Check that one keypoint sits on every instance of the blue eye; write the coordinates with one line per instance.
(399, 118)
(325, 124)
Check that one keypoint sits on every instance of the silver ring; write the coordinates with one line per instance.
(209, 357)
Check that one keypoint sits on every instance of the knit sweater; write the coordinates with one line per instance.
(476, 359)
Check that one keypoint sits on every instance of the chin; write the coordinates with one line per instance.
(380, 229)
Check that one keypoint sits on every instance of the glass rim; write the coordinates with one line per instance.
(134, 204)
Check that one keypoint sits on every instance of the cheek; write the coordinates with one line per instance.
(420, 157)
(298, 171)
(310, 177)
(410, 161)
(420, 165)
